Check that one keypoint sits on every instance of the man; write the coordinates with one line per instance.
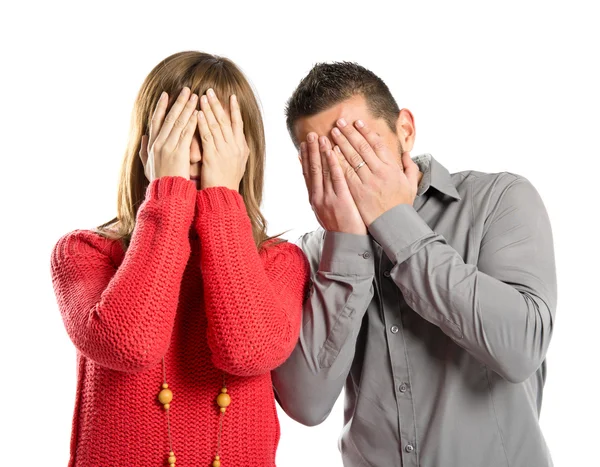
(433, 295)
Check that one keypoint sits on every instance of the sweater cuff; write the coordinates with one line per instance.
(398, 231)
(219, 198)
(347, 254)
(171, 186)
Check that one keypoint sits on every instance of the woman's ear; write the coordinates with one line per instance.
(144, 150)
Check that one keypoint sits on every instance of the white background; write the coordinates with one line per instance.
(513, 86)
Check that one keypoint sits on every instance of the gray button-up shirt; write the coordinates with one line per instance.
(437, 322)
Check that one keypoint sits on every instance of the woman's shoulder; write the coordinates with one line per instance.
(86, 242)
(280, 250)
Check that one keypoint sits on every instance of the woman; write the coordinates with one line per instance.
(180, 306)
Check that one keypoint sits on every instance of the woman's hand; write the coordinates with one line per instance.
(166, 152)
(224, 147)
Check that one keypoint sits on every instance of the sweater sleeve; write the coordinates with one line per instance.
(253, 299)
(122, 317)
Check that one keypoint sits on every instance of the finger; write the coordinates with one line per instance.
(208, 142)
(213, 124)
(304, 162)
(350, 174)
(221, 116)
(411, 170)
(324, 146)
(338, 180)
(173, 115)
(181, 123)
(185, 141)
(237, 123)
(144, 150)
(157, 117)
(353, 158)
(375, 142)
(360, 144)
(315, 169)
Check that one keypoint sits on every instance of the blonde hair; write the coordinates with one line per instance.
(199, 71)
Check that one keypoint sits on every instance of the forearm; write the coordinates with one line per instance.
(504, 318)
(253, 300)
(309, 382)
(122, 317)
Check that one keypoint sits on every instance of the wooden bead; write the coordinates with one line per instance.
(216, 464)
(165, 396)
(171, 453)
(223, 409)
(171, 459)
(223, 400)
(217, 458)
(165, 386)
(223, 390)
(167, 406)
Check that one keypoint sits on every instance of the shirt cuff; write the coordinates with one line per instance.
(399, 231)
(347, 254)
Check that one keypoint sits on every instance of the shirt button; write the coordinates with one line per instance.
(403, 387)
(386, 273)
(394, 329)
(409, 448)
(366, 255)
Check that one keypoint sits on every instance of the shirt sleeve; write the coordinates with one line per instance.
(122, 317)
(502, 309)
(342, 271)
(253, 298)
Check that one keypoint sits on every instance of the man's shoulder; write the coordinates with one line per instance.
(311, 244)
(480, 183)
(312, 240)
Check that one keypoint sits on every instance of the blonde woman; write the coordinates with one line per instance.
(181, 305)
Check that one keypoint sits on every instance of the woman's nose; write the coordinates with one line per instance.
(195, 154)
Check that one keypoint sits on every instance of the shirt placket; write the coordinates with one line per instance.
(397, 351)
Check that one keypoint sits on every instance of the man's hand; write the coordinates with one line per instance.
(383, 181)
(328, 191)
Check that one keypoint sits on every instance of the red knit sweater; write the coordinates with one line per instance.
(193, 288)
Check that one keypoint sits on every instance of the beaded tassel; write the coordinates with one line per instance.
(223, 401)
(165, 397)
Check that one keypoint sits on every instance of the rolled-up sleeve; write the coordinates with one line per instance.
(501, 309)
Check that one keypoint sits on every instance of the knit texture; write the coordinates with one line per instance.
(191, 287)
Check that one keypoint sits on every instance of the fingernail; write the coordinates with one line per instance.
(336, 132)
(210, 92)
(194, 97)
(322, 141)
(233, 98)
(341, 122)
(360, 123)
(162, 95)
(337, 148)
(204, 99)
(311, 138)
(303, 146)
(201, 115)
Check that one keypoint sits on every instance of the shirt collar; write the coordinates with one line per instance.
(434, 175)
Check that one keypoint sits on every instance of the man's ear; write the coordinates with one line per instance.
(405, 129)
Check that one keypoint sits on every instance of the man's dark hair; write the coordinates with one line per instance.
(328, 84)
